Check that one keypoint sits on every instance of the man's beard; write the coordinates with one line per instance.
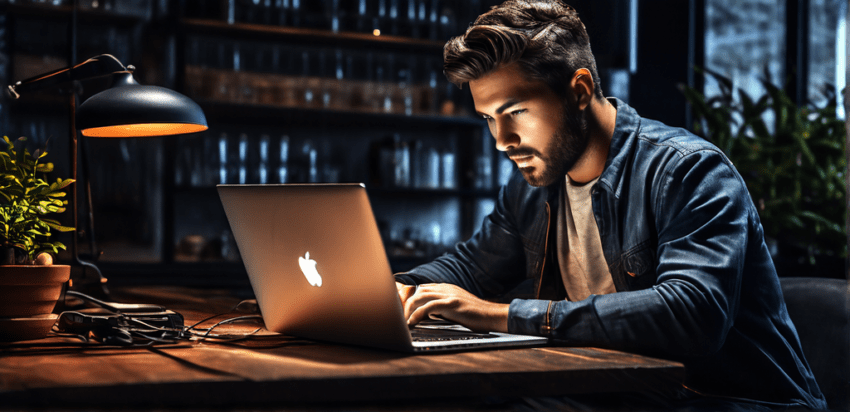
(566, 147)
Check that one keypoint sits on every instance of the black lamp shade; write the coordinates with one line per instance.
(128, 109)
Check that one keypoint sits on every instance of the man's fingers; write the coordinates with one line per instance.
(456, 305)
(412, 303)
(419, 297)
(423, 312)
(429, 301)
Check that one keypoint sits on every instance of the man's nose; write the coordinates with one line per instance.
(506, 137)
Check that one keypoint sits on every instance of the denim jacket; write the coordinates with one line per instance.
(683, 242)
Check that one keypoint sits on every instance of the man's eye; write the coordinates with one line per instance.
(516, 112)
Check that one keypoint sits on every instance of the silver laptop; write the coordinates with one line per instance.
(319, 270)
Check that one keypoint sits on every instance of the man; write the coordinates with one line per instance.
(638, 236)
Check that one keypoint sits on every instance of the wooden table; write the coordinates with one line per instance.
(278, 370)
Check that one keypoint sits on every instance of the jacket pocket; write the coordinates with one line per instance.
(638, 266)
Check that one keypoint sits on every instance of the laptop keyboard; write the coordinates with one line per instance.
(436, 335)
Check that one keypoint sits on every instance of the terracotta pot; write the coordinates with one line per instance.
(27, 296)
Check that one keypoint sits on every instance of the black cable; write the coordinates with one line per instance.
(229, 338)
(233, 309)
(129, 327)
(207, 334)
(152, 339)
(155, 328)
(231, 320)
(56, 332)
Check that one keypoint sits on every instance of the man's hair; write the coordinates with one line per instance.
(545, 37)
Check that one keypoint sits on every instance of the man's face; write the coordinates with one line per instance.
(530, 124)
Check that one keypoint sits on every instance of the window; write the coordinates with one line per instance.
(745, 37)
(827, 42)
(742, 38)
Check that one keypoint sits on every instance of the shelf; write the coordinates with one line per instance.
(310, 36)
(225, 111)
(44, 10)
(258, 98)
(379, 191)
(425, 192)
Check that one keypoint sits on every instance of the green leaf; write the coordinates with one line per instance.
(61, 184)
(822, 220)
(804, 147)
(726, 85)
(804, 202)
(28, 198)
(54, 224)
(44, 168)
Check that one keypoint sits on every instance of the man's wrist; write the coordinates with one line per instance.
(500, 315)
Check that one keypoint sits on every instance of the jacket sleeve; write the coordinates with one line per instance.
(490, 263)
(702, 213)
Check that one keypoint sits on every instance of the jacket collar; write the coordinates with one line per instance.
(626, 130)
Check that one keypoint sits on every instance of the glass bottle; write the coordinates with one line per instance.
(449, 168)
(362, 19)
(295, 13)
(281, 8)
(264, 159)
(283, 166)
(222, 159)
(243, 159)
(308, 150)
(401, 162)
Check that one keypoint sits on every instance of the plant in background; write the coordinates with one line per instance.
(794, 171)
(25, 200)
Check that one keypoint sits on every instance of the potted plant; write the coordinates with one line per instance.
(792, 160)
(30, 283)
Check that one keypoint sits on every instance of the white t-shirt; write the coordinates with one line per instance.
(580, 257)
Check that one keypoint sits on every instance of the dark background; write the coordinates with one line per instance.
(157, 217)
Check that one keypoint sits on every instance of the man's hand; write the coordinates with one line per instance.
(404, 292)
(454, 304)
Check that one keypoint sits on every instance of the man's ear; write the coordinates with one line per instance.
(582, 86)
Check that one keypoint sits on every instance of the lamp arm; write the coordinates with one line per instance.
(102, 65)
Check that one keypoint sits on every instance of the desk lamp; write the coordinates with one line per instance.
(126, 109)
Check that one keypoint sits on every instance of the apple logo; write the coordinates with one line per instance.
(308, 267)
